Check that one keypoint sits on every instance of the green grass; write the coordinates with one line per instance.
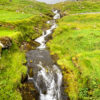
(79, 7)
(11, 71)
(21, 20)
(25, 6)
(7, 32)
(6, 16)
(24, 16)
(77, 43)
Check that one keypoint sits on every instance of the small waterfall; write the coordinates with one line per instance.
(41, 39)
(47, 77)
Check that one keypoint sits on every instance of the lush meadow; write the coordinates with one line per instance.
(22, 21)
(79, 7)
(76, 45)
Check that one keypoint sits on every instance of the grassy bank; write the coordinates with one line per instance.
(79, 7)
(21, 20)
(11, 71)
(76, 45)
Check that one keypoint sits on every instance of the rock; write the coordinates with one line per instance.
(24, 78)
(1, 45)
(29, 45)
(0, 51)
(30, 72)
(5, 42)
(47, 38)
(17, 11)
(28, 91)
(64, 14)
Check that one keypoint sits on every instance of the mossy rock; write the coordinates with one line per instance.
(6, 42)
(29, 45)
(28, 91)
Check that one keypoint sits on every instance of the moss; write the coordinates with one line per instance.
(22, 21)
(11, 65)
(0, 51)
(79, 7)
(76, 42)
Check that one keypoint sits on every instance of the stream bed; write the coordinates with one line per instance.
(45, 74)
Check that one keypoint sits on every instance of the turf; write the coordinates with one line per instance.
(21, 20)
(11, 71)
(79, 7)
(6, 16)
(76, 42)
(7, 32)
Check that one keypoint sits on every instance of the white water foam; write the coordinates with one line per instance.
(41, 39)
(52, 79)
(53, 87)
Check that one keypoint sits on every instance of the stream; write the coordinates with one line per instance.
(46, 76)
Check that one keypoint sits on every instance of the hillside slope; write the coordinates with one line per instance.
(21, 21)
(76, 47)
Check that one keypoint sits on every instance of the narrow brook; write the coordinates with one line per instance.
(46, 76)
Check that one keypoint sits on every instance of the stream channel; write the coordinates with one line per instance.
(47, 77)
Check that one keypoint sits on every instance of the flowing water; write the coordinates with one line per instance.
(46, 76)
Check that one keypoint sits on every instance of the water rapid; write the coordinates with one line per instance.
(46, 76)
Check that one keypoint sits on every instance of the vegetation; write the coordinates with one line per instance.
(21, 20)
(11, 70)
(79, 7)
(76, 42)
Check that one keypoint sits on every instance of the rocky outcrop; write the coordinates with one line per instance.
(5, 43)
(28, 91)
(29, 45)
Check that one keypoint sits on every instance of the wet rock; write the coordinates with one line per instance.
(30, 71)
(5, 42)
(24, 78)
(64, 95)
(42, 85)
(49, 37)
(29, 45)
(28, 92)
(36, 56)
(55, 58)
(30, 61)
(42, 71)
(50, 15)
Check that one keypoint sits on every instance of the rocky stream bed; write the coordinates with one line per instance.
(43, 73)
